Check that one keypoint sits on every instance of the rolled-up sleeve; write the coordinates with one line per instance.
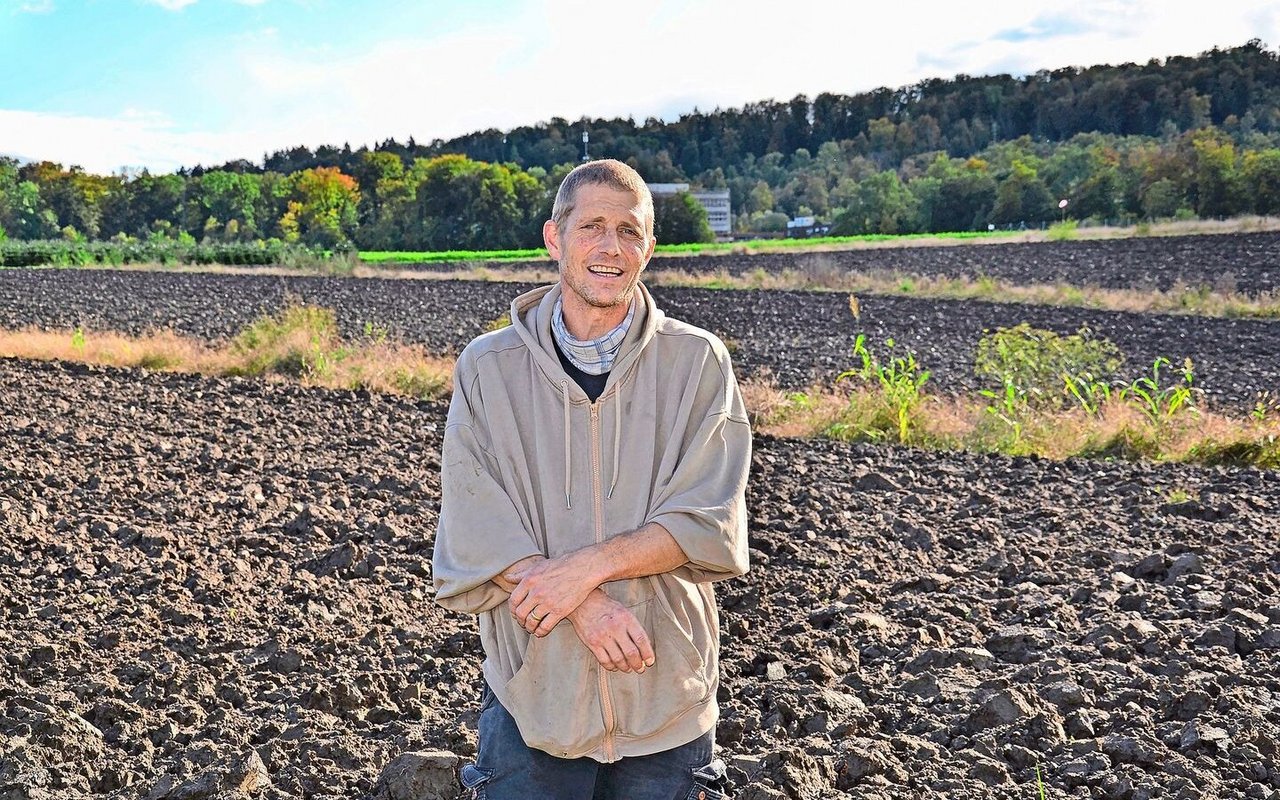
(480, 532)
(703, 503)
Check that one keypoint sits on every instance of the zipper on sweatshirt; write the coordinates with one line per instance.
(597, 498)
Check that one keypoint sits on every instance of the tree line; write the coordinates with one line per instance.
(1187, 136)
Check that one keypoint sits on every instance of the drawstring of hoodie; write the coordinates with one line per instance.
(568, 463)
(617, 438)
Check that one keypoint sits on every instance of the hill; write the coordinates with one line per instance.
(1181, 137)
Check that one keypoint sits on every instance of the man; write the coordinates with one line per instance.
(594, 469)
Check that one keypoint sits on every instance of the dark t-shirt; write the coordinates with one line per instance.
(593, 385)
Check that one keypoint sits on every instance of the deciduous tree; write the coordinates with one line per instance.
(680, 219)
(322, 209)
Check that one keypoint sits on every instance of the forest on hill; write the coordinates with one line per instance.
(1185, 136)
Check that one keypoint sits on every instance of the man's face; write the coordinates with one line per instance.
(603, 248)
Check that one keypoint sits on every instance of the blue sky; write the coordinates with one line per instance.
(109, 84)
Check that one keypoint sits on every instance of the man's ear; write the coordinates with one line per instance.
(551, 238)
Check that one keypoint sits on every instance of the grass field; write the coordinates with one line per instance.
(748, 246)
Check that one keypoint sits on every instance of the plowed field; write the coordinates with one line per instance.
(215, 588)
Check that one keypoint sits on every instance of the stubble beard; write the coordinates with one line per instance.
(583, 290)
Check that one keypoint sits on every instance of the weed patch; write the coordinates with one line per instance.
(1153, 417)
(888, 410)
(882, 400)
(299, 343)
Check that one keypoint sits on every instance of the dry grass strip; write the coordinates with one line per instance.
(301, 344)
(298, 355)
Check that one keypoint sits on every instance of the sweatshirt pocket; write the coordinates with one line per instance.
(677, 682)
(554, 698)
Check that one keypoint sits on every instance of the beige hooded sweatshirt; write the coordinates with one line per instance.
(531, 466)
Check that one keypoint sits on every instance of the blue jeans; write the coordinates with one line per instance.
(508, 769)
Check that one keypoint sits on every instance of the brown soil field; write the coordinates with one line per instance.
(220, 589)
(1243, 262)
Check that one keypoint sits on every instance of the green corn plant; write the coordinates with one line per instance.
(1089, 393)
(1160, 403)
(1010, 400)
(900, 380)
(1007, 406)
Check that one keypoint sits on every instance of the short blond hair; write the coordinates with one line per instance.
(606, 172)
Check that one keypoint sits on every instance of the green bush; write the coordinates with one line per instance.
(1040, 367)
(300, 342)
(1063, 231)
(156, 250)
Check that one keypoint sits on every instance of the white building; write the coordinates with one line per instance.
(716, 203)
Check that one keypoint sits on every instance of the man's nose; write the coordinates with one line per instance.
(610, 242)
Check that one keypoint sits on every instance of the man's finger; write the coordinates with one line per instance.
(528, 620)
(632, 654)
(520, 613)
(615, 657)
(643, 644)
(545, 624)
(602, 656)
(527, 609)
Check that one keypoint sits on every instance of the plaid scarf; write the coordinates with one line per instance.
(594, 357)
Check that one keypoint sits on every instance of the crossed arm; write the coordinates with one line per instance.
(545, 591)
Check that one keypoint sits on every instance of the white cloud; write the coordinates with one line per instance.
(172, 5)
(36, 7)
(571, 58)
(104, 145)
(568, 58)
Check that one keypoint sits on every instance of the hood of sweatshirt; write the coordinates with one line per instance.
(531, 317)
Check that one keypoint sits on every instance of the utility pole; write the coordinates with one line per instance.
(585, 139)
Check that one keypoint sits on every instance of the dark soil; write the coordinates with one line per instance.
(217, 306)
(798, 337)
(219, 589)
(1244, 262)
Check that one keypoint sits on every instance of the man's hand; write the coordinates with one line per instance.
(612, 634)
(548, 591)
(510, 576)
